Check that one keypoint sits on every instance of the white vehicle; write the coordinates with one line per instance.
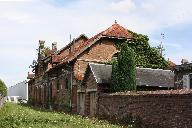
(19, 91)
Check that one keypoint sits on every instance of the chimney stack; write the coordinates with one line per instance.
(41, 44)
(54, 46)
(41, 47)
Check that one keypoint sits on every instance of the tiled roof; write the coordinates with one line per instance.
(171, 64)
(80, 36)
(55, 58)
(144, 76)
(115, 31)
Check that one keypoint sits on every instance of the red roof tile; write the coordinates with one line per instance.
(55, 58)
(117, 31)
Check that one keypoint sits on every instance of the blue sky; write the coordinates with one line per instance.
(24, 22)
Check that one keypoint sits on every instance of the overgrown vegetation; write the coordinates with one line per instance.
(147, 56)
(134, 53)
(3, 88)
(124, 70)
(18, 116)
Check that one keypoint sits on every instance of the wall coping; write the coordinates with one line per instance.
(152, 93)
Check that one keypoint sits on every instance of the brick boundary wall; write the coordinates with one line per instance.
(158, 109)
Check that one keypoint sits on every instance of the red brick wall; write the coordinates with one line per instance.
(100, 52)
(171, 110)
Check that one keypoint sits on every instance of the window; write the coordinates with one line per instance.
(66, 83)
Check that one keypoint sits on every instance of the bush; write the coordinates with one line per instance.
(3, 88)
(124, 70)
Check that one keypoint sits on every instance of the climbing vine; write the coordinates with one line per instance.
(145, 55)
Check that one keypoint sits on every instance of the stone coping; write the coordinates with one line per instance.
(159, 92)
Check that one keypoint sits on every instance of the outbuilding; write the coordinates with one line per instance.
(98, 77)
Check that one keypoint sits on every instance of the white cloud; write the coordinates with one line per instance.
(24, 23)
(122, 6)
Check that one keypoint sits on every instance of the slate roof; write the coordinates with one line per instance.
(144, 76)
(101, 72)
(155, 77)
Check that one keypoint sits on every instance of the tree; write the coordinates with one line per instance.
(146, 56)
(3, 88)
(124, 70)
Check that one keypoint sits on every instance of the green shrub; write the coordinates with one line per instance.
(3, 88)
(124, 70)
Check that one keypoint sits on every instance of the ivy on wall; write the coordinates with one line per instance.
(124, 70)
(146, 56)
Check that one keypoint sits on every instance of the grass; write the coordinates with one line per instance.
(19, 116)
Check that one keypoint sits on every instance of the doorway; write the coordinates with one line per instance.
(92, 104)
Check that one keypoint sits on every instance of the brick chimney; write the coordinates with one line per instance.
(54, 46)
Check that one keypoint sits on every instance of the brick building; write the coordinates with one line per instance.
(183, 76)
(59, 72)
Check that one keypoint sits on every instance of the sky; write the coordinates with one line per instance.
(24, 22)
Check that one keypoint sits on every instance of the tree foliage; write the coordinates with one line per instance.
(135, 52)
(124, 70)
(146, 56)
(3, 88)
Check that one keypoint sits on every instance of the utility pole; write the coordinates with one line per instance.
(161, 49)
